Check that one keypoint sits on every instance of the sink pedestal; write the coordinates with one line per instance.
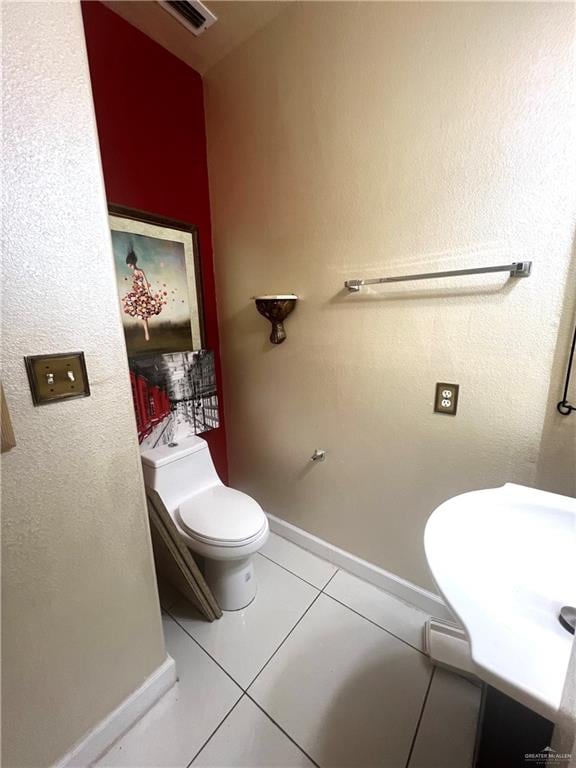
(508, 731)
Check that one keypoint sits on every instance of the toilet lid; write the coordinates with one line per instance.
(222, 514)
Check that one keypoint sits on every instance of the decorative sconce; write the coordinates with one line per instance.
(276, 308)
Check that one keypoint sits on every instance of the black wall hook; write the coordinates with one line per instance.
(564, 406)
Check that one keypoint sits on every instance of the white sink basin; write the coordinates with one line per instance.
(505, 560)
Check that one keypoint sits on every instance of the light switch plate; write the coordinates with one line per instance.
(446, 399)
(57, 377)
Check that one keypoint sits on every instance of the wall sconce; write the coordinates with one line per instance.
(276, 308)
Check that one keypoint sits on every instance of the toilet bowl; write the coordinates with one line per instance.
(223, 525)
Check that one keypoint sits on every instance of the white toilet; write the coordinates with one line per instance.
(225, 526)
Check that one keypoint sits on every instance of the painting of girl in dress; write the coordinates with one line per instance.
(141, 301)
(157, 273)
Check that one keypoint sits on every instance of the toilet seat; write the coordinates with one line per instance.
(221, 516)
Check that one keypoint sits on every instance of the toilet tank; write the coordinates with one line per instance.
(179, 469)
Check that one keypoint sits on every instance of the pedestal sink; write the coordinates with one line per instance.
(505, 561)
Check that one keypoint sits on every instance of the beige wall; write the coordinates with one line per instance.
(81, 621)
(364, 139)
(556, 468)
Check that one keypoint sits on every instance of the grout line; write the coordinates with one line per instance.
(282, 643)
(330, 579)
(414, 648)
(244, 690)
(348, 573)
(323, 590)
(270, 560)
(183, 628)
(217, 728)
(282, 729)
(420, 718)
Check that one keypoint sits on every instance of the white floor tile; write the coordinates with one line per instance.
(173, 731)
(448, 727)
(242, 641)
(249, 739)
(388, 612)
(347, 692)
(304, 564)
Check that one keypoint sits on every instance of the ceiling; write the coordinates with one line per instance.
(237, 21)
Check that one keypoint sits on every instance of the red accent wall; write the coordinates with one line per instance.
(150, 116)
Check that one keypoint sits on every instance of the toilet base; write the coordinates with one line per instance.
(233, 582)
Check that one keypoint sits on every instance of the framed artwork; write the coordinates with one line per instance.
(174, 393)
(159, 282)
(172, 375)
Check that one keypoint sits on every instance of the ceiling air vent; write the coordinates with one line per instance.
(193, 15)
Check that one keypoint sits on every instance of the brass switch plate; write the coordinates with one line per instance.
(57, 377)
(446, 399)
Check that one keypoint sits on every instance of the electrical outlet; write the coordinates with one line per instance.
(446, 400)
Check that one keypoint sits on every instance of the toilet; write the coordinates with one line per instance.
(224, 526)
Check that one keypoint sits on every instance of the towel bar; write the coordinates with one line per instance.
(516, 269)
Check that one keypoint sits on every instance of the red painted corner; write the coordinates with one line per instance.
(150, 116)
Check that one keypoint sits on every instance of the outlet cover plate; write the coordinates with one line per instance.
(446, 399)
(57, 377)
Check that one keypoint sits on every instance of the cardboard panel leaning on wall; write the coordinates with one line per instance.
(81, 620)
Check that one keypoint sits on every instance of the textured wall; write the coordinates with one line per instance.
(81, 621)
(150, 116)
(556, 468)
(363, 139)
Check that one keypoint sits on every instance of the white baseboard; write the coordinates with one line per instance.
(120, 720)
(410, 593)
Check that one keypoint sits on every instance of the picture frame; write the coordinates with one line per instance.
(159, 281)
(174, 392)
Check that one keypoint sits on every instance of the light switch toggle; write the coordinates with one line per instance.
(50, 378)
(71, 375)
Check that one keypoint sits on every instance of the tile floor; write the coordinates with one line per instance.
(322, 669)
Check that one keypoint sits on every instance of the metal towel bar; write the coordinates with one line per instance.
(516, 269)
